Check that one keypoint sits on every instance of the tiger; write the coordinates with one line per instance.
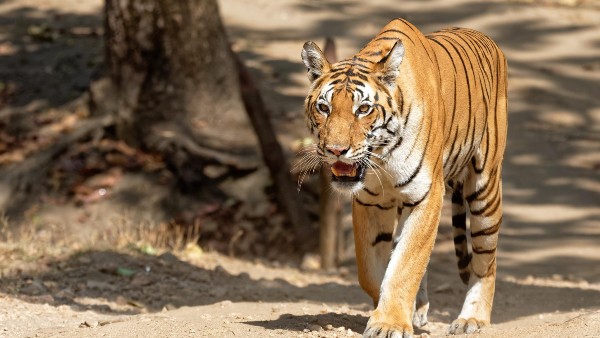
(407, 120)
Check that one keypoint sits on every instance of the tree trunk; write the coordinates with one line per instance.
(177, 90)
(175, 82)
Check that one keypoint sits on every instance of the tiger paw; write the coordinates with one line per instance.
(379, 330)
(466, 325)
(420, 316)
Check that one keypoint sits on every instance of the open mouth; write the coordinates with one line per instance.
(347, 172)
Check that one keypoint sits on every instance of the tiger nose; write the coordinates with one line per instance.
(337, 150)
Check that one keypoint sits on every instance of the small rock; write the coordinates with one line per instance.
(49, 284)
(34, 289)
(167, 259)
(306, 330)
(244, 275)
(84, 260)
(221, 270)
(310, 262)
(314, 327)
(94, 284)
(341, 329)
(169, 307)
(89, 323)
(141, 280)
(225, 303)
(329, 327)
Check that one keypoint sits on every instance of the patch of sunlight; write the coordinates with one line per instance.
(516, 192)
(586, 160)
(522, 231)
(556, 280)
(549, 213)
(526, 159)
(563, 118)
(585, 249)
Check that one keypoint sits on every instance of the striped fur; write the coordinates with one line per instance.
(422, 115)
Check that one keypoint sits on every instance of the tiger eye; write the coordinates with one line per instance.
(363, 108)
(324, 108)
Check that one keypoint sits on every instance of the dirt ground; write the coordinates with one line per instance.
(549, 255)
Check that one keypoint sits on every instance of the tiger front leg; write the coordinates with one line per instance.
(374, 222)
(422, 302)
(406, 269)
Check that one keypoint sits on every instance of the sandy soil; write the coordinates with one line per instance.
(548, 272)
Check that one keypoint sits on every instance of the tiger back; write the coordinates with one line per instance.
(407, 119)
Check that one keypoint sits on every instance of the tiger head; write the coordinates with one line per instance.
(353, 111)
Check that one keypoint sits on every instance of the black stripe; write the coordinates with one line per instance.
(356, 58)
(488, 231)
(379, 206)
(390, 30)
(464, 261)
(357, 82)
(407, 115)
(490, 207)
(465, 276)
(386, 38)
(362, 77)
(414, 204)
(362, 94)
(412, 176)
(370, 192)
(457, 197)
(394, 147)
(476, 194)
(377, 53)
(460, 221)
(459, 239)
(382, 237)
(336, 75)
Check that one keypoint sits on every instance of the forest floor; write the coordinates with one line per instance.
(70, 270)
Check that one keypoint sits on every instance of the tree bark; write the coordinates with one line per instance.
(174, 78)
(273, 155)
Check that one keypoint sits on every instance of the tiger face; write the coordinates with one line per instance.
(352, 110)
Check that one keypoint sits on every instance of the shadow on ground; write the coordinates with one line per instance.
(100, 281)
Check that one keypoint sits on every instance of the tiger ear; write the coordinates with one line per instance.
(390, 64)
(314, 60)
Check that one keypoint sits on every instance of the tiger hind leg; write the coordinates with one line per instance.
(483, 193)
(459, 231)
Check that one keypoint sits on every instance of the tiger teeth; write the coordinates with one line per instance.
(337, 172)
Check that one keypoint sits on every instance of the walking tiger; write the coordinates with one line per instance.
(406, 120)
